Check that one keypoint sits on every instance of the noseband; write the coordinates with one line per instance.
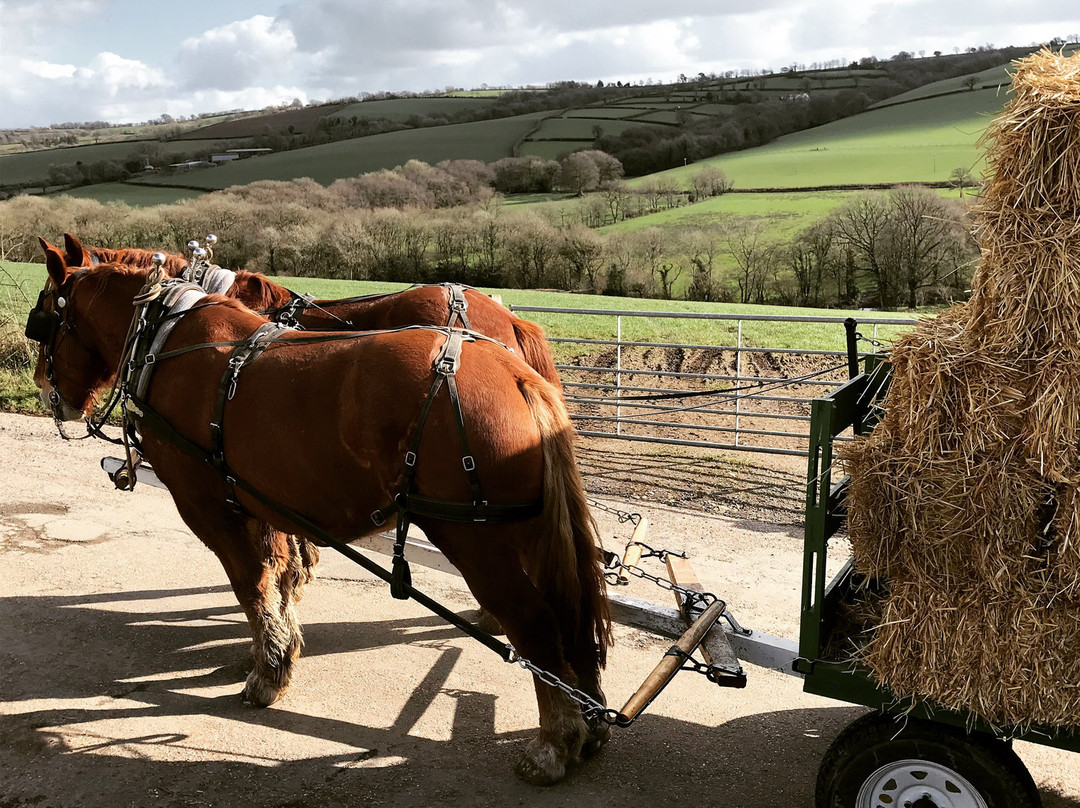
(44, 327)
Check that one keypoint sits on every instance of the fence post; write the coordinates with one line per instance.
(852, 347)
(738, 381)
(618, 374)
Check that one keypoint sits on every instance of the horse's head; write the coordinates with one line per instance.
(75, 254)
(258, 292)
(71, 368)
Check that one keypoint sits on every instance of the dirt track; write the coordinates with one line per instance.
(121, 652)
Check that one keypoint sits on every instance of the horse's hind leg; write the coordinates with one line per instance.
(494, 573)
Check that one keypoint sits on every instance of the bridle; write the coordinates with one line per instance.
(45, 328)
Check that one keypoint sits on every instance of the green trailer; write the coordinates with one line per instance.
(906, 754)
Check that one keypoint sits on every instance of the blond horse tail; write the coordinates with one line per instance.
(535, 349)
(568, 562)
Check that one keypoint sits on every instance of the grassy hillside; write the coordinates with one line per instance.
(140, 196)
(783, 214)
(401, 109)
(34, 165)
(305, 119)
(995, 78)
(918, 142)
(485, 140)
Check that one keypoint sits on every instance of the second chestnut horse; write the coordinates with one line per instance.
(419, 305)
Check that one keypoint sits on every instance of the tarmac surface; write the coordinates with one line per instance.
(122, 654)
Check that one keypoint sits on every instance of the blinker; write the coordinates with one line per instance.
(41, 325)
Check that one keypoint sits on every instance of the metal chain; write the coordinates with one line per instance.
(692, 597)
(591, 709)
(623, 516)
(871, 340)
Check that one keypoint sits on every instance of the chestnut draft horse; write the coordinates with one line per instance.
(363, 426)
(420, 305)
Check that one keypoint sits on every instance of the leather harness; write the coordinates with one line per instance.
(146, 354)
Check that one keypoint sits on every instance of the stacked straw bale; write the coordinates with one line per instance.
(965, 499)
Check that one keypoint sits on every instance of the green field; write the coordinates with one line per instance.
(401, 109)
(612, 113)
(32, 166)
(994, 78)
(918, 142)
(784, 214)
(485, 140)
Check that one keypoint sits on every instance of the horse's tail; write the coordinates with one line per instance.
(567, 561)
(535, 349)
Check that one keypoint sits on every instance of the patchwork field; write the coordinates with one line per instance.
(485, 140)
(919, 142)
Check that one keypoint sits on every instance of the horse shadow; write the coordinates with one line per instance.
(100, 694)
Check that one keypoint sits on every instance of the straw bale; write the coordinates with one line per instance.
(965, 500)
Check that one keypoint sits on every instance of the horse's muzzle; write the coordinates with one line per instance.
(60, 409)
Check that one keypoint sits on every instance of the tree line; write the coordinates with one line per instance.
(422, 223)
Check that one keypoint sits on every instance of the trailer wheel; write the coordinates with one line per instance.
(878, 762)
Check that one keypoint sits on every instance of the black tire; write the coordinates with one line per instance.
(883, 753)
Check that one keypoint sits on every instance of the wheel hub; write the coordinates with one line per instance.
(918, 784)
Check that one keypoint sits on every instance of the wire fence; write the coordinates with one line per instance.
(739, 395)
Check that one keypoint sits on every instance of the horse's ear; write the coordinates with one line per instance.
(54, 262)
(76, 254)
(45, 246)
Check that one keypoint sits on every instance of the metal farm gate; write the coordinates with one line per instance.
(741, 395)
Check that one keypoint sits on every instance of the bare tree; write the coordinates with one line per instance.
(582, 251)
(923, 231)
(708, 182)
(862, 226)
(615, 195)
(754, 257)
(701, 248)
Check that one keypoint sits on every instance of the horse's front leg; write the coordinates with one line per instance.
(267, 584)
(266, 569)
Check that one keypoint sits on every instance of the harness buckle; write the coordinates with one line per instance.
(149, 359)
(379, 518)
(480, 503)
(410, 459)
(446, 367)
(469, 463)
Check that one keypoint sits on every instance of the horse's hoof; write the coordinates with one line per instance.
(259, 693)
(598, 736)
(540, 765)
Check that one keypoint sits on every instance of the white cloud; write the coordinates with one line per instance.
(321, 49)
(236, 56)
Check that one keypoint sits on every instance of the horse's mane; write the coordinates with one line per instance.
(256, 289)
(140, 258)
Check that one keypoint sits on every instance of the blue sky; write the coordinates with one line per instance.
(130, 60)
